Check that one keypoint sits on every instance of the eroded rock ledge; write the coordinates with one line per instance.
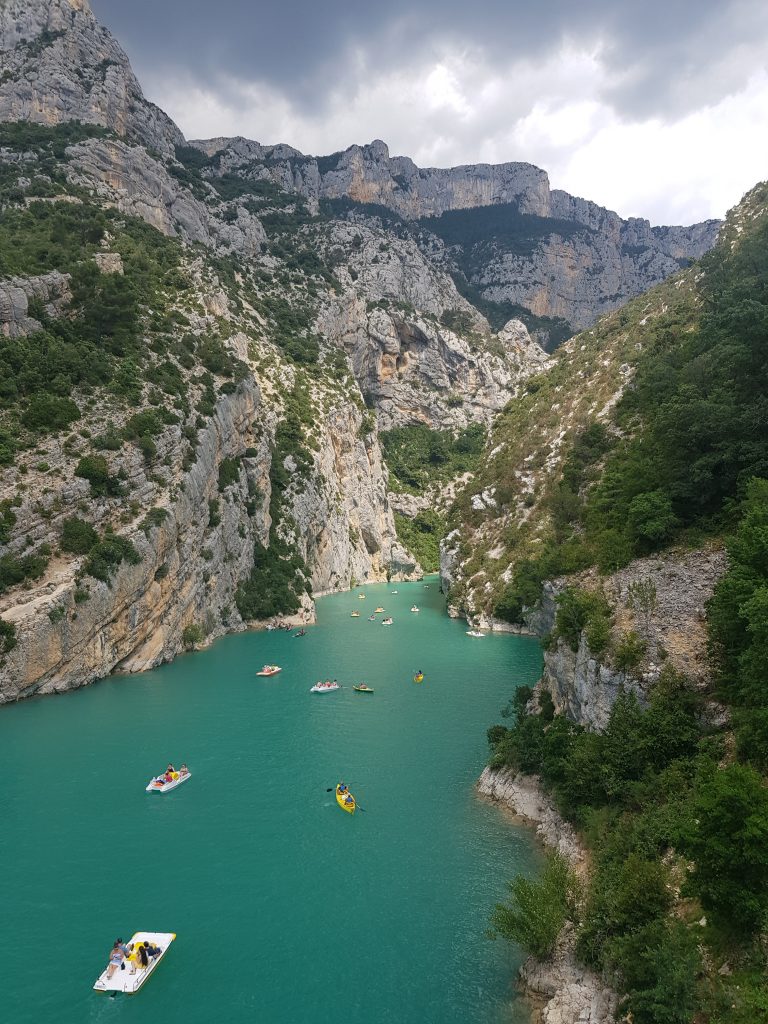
(561, 989)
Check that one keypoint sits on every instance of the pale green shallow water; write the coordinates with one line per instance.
(286, 909)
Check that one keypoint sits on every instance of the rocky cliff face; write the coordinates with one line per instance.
(553, 254)
(60, 65)
(139, 184)
(584, 686)
(72, 628)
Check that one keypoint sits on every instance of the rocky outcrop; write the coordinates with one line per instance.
(50, 290)
(551, 253)
(585, 687)
(60, 65)
(391, 319)
(138, 184)
(561, 989)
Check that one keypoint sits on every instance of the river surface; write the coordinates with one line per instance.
(287, 910)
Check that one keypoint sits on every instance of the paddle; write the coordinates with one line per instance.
(357, 805)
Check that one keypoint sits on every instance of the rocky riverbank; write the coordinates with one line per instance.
(560, 989)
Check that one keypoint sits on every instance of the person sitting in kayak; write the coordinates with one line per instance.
(342, 787)
(348, 799)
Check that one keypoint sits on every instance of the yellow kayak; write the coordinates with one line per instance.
(348, 806)
(419, 677)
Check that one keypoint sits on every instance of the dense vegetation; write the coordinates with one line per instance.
(647, 792)
(688, 435)
(675, 811)
(418, 455)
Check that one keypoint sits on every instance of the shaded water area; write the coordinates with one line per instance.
(286, 909)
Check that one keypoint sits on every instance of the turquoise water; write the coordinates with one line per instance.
(286, 909)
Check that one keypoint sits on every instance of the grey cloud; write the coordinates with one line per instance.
(663, 57)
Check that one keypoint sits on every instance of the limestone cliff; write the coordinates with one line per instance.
(59, 64)
(514, 240)
(583, 685)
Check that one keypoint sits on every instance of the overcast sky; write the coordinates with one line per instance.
(656, 108)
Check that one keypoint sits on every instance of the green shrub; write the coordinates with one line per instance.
(77, 536)
(583, 611)
(7, 637)
(50, 413)
(57, 614)
(422, 535)
(108, 555)
(18, 570)
(274, 584)
(95, 470)
(229, 473)
(729, 845)
(537, 910)
(629, 652)
(192, 636)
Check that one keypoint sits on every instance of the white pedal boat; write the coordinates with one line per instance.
(158, 785)
(322, 688)
(414, 609)
(474, 632)
(132, 977)
(269, 670)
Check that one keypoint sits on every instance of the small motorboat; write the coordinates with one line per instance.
(159, 784)
(387, 622)
(379, 609)
(355, 615)
(475, 632)
(419, 677)
(362, 688)
(324, 687)
(269, 670)
(345, 800)
(371, 618)
(414, 608)
(130, 977)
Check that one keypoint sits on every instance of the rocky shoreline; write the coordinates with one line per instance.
(560, 989)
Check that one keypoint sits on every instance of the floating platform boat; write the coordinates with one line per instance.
(159, 785)
(131, 976)
(344, 803)
(269, 670)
